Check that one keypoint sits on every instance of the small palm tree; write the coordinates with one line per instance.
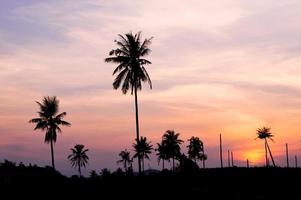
(78, 157)
(195, 148)
(203, 158)
(162, 153)
(131, 71)
(143, 149)
(170, 138)
(264, 134)
(125, 159)
(49, 121)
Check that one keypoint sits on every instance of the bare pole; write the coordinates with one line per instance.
(232, 162)
(287, 160)
(248, 163)
(221, 149)
(228, 158)
(296, 162)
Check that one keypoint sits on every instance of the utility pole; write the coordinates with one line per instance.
(221, 149)
(228, 158)
(287, 161)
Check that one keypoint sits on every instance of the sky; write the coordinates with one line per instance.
(220, 66)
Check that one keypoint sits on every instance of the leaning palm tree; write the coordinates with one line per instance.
(195, 148)
(162, 153)
(170, 138)
(264, 134)
(49, 121)
(125, 159)
(130, 70)
(78, 157)
(143, 149)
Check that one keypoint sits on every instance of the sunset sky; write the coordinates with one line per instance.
(220, 66)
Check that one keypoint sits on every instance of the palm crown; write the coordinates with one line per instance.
(78, 157)
(264, 133)
(128, 56)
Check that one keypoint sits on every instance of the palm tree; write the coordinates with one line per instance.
(142, 148)
(49, 121)
(203, 157)
(125, 159)
(264, 134)
(195, 148)
(78, 157)
(162, 153)
(131, 72)
(170, 138)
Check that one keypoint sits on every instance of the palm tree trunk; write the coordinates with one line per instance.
(80, 173)
(137, 126)
(173, 163)
(143, 165)
(162, 164)
(52, 153)
(271, 155)
(204, 164)
(125, 166)
(266, 153)
(221, 149)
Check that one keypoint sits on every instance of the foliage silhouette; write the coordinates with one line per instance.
(195, 149)
(170, 138)
(162, 153)
(78, 157)
(264, 133)
(125, 160)
(131, 68)
(50, 121)
(143, 149)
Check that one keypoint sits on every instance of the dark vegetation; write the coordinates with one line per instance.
(186, 182)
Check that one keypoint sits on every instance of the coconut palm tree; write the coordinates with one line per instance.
(131, 68)
(125, 159)
(195, 148)
(203, 158)
(170, 138)
(49, 121)
(162, 153)
(78, 157)
(143, 149)
(264, 134)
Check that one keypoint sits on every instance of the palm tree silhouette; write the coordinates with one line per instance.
(78, 157)
(264, 134)
(170, 138)
(142, 148)
(131, 72)
(50, 121)
(125, 159)
(162, 153)
(195, 148)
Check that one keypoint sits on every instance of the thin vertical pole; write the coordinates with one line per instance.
(232, 162)
(228, 158)
(221, 150)
(296, 162)
(248, 163)
(287, 161)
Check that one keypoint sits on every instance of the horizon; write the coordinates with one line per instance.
(226, 67)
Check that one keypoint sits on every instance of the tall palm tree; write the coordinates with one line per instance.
(49, 121)
(162, 153)
(264, 133)
(143, 149)
(78, 157)
(125, 159)
(170, 138)
(195, 148)
(130, 70)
